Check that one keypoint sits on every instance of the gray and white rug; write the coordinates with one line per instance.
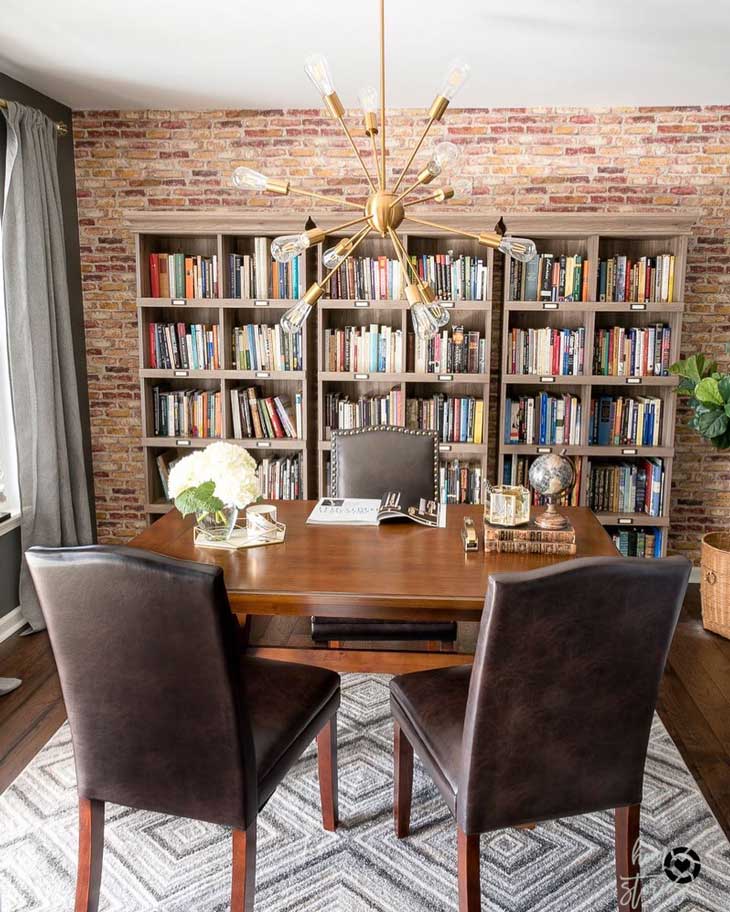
(154, 863)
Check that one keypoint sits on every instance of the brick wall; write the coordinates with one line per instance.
(517, 159)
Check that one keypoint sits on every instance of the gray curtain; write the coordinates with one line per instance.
(53, 489)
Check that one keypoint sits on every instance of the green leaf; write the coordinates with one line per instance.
(199, 500)
(723, 441)
(708, 392)
(723, 384)
(693, 368)
(686, 387)
(712, 422)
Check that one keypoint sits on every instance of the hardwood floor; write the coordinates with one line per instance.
(694, 701)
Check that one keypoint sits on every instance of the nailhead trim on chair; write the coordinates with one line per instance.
(386, 427)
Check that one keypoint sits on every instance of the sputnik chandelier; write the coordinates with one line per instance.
(385, 207)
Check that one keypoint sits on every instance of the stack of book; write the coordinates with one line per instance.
(184, 346)
(547, 351)
(516, 472)
(257, 346)
(367, 278)
(627, 487)
(174, 275)
(341, 413)
(257, 275)
(644, 280)
(623, 420)
(528, 539)
(165, 461)
(549, 277)
(373, 348)
(458, 419)
(187, 413)
(460, 482)
(639, 542)
(637, 351)
(280, 478)
(264, 417)
(463, 278)
(459, 352)
(543, 419)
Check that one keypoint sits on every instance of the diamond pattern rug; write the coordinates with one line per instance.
(154, 863)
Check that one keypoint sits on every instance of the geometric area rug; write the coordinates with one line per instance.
(154, 863)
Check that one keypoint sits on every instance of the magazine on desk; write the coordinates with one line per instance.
(355, 511)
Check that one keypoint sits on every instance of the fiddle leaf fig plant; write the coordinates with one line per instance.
(709, 397)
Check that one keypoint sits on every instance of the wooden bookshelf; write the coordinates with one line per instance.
(596, 238)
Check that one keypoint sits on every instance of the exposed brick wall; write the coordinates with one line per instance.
(556, 159)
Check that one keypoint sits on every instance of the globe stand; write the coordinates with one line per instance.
(550, 518)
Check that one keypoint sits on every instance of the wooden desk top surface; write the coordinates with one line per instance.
(396, 570)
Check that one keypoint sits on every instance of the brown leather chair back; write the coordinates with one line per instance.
(367, 462)
(145, 648)
(564, 687)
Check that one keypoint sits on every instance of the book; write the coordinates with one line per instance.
(354, 511)
(528, 539)
(549, 277)
(177, 275)
(457, 351)
(258, 275)
(625, 421)
(460, 482)
(367, 278)
(280, 478)
(258, 346)
(371, 348)
(543, 419)
(193, 346)
(457, 419)
(635, 351)
(165, 461)
(340, 412)
(644, 280)
(627, 487)
(547, 350)
(187, 413)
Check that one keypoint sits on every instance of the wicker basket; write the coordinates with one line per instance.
(715, 586)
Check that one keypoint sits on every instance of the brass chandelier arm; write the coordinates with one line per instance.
(357, 152)
(429, 124)
(414, 186)
(400, 249)
(358, 239)
(363, 218)
(298, 191)
(383, 151)
(378, 171)
(396, 248)
(418, 221)
(439, 195)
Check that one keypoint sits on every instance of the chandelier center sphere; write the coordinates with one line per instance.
(383, 212)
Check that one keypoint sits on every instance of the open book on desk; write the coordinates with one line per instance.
(355, 511)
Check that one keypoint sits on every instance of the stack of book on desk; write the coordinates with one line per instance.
(528, 539)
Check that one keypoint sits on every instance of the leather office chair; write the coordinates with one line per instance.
(553, 718)
(367, 462)
(164, 714)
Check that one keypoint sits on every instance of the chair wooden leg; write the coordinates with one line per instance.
(402, 781)
(628, 875)
(327, 762)
(470, 893)
(243, 869)
(91, 853)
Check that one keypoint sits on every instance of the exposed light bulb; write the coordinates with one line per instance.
(462, 188)
(425, 324)
(368, 100)
(332, 257)
(440, 314)
(521, 249)
(456, 75)
(444, 154)
(295, 318)
(318, 70)
(288, 246)
(248, 179)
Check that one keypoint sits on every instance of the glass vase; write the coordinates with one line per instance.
(217, 525)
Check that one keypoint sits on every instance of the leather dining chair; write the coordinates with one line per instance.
(165, 715)
(553, 718)
(367, 462)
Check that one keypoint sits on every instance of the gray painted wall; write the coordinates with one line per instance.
(15, 91)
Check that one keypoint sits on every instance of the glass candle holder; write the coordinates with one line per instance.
(507, 505)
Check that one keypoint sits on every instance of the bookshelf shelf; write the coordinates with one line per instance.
(603, 237)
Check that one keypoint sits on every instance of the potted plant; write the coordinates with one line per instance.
(709, 392)
(214, 484)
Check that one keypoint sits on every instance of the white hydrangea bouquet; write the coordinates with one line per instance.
(214, 484)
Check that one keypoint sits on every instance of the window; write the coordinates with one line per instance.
(9, 492)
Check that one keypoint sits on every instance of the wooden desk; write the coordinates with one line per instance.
(397, 571)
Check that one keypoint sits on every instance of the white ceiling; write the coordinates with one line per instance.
(197, 54)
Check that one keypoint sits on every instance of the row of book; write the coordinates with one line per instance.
(280, 478)
(516, 472)
(460, 482)
(258, 276)
(543, 419)
(549, 277)
(367, 278)
(627, 487)
(458, 351)
(625, 421)
(644, 280)
(265, 417)
(193, 346)
(187, 413)
(340, 413)
(547, 351)
(373, 348)
(458, 419)
(633, 352)
(639, 542)
(257, 346)
(463, 278)
(174, 275)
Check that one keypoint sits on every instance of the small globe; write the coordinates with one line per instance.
(551, 474)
